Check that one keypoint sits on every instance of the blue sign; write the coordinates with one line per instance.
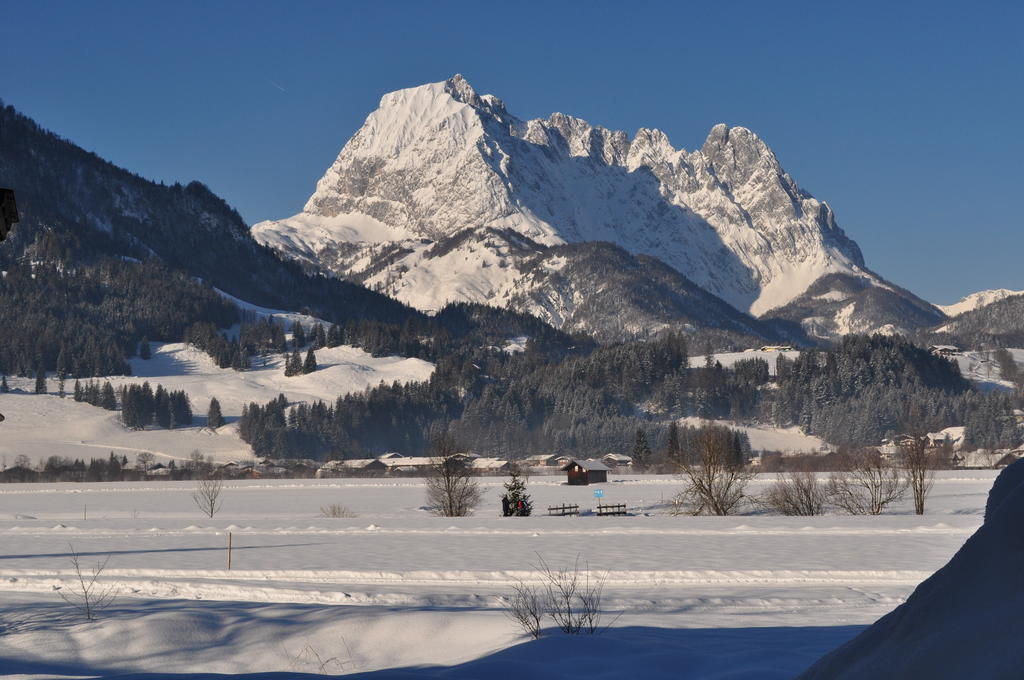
(598, 493)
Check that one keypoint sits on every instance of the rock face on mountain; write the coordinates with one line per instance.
(840, 304)
(440, 160)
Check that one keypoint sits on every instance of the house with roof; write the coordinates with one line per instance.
(616, 461)
(541, 460)
(488, 466)
(351, 467)
(583, 472)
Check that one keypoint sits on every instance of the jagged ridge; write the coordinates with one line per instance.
(439, 159)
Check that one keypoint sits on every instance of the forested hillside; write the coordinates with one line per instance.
(864, 389)
(1000, 324)
(103, 259)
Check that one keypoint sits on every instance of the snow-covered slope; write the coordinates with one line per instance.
(980, 299)
(436, 160)
(43, 425)
(840, 304)
(960, 623)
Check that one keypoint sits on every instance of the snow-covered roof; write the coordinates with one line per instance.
(349, 463)
(408, 461)
(488, 463)
(589, 464)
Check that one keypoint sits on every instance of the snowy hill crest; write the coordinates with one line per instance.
(439, 159)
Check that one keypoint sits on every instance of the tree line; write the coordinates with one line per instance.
(511, 404)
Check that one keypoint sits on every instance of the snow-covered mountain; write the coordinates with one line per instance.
(840, 304)
(439, 160)
(980, 299)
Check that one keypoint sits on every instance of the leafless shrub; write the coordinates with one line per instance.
(310, 656)
(795, 493)
(335, 511)
(867, 483)
(451, 489)
(919, 468)
(527, 607)
(207, 495)
(84, 594)
(716, 480)
(573, 596)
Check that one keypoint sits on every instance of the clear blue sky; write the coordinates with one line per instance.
(905, 117)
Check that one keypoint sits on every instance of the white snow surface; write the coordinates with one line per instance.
(438, 159)
(960, 623)
(41, 426)
(766, 438)
(395, 592)
(729, 359)
(980, 299)
(979, 367)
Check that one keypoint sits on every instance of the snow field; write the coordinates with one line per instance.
(41, 426)
(396, 587)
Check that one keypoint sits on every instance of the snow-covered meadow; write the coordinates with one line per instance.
(40, 426)
(395, 588)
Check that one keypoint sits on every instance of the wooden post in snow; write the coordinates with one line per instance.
(229, 551)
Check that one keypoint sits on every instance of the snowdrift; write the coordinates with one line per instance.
(963, 622)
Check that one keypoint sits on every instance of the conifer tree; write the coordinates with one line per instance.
(113, 468)
(214, 419)
(144, 350)
(108, 399)
(319, 336)
(4, 388)
(673, 452)
(641, 450)
(162, 407)
(519, 503)
(309, 365)
(294, 364)
(62, 364)
(298, 335)
(40, 378)
(334, 335)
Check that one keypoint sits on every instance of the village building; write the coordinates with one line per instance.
(945, 350)
(616, 461)
(583, 472)
(541, 460)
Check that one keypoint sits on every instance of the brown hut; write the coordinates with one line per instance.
(582, 472)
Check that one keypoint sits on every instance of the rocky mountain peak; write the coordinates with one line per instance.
(460, 90)
(439, 159)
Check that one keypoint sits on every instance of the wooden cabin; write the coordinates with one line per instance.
(583, 472)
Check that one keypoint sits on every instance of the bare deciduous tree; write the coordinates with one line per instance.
(795, 493)
(451, 489)
(919, 467)
(866, 484)
(716, 480)
(207, 495)
(84, 594)
(197, 464)
(143, 460)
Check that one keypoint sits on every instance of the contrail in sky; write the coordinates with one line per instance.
(277, 86)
